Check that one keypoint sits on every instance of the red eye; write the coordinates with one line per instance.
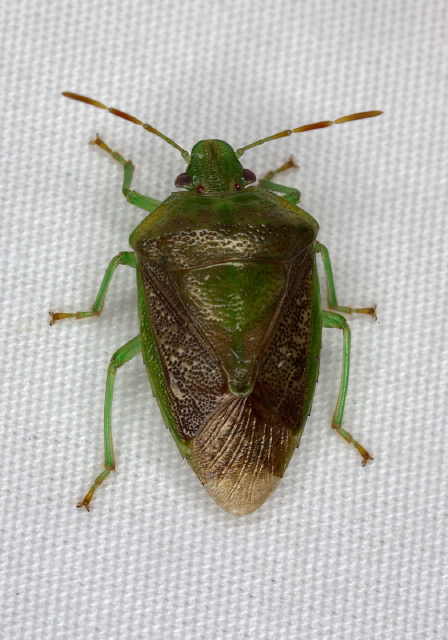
(183, 180)
(237, 187)
(200, 189)
(248, 175)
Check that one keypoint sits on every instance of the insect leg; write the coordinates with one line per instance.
(331, 291)
(336, 321)
(133, 197)
(292, 195)
(125, 257)
(120, 357)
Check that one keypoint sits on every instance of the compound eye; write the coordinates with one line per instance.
(249, 176)
(183, 180)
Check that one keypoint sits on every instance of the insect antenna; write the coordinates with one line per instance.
(310, 127)
(126, 116)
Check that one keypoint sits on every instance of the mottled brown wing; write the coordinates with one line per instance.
(289, 368)
(194, 381)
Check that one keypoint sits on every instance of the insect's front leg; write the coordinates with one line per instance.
(126, 258)
(331, 291)
(291, 194)
(133, 197)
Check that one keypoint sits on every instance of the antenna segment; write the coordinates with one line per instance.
(126, 116)
(310, 127)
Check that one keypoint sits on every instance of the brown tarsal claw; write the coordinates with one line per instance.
(366, 458)
(55, 316)
(97, 140)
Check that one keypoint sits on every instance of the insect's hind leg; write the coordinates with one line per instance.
(120, 357)
(336, 321)
(291, 194)
(133, 197)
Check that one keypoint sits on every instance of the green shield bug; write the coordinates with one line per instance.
(230, 317)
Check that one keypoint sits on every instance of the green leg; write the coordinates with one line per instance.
(335, 321)
(292, 195)
(331, 291)
(120, 357)
(126, 258)
(137, 199)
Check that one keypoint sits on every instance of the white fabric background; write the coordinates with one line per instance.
(338, 552)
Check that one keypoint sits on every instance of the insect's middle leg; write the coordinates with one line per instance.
(126, 258)
(336, 321)
(331, 290)
(133, 197)
(120, 357)
(291, 194)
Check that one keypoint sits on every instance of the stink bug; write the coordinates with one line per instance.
(230, 317)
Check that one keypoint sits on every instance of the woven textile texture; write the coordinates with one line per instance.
(339, 552)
